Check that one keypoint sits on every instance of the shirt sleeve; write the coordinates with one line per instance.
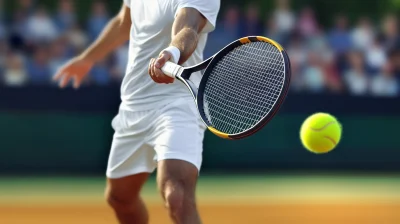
(127, 3)
(208, 8)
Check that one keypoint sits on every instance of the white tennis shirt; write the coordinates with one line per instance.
(151, 33)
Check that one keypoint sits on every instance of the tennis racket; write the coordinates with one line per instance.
(242, 87)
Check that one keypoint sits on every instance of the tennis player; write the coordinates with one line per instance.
(157, 125)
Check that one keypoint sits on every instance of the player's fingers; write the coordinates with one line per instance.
(168, 79)
(164, 57)
(64, 82)
(162, 77)
(150, 65)
(154, 74)
(59, 74)
(157, 75)
(77, 81)
(151, 70)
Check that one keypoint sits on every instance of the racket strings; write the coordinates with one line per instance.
(243, 87)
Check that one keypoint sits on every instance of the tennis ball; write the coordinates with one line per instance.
(320, 133)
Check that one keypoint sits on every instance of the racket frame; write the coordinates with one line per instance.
(183, 74)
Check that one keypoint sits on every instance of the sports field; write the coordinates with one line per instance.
(272, 199)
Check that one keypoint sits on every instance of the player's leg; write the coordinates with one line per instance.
(178, 140)
(129, 165)
(123, 195)
(177, 182)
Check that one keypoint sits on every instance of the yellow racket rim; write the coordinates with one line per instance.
(265, 39)
(246, 40)
(218, 133)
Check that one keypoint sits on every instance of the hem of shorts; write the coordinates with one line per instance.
(179, 156)
(118, 175)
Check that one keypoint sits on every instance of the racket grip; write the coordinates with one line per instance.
(170, 69)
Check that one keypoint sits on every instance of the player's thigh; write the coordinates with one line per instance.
(179, 133)
(129, 153)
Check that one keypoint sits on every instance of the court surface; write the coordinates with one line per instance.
(222, 199)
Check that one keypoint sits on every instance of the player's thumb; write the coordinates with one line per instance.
(164, 57)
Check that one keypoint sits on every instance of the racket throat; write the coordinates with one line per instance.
(189, 84)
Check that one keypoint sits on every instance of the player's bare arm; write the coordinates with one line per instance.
(185, 34)
(115, 34)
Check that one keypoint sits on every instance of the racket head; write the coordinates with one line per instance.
(229, 106)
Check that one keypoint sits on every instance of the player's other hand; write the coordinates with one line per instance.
(155, 68)
(76, 70)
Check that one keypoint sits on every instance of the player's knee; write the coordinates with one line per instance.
(177, 198)
(174, 201)
(120, 204)
(174, 198)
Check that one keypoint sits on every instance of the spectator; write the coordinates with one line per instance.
(333, 80)
(385, 84)
(18, 27)
(271, 29)
(314, 80)
(15, 74)
(375, 55)
(339, 37)
(66, 15)
(97, 20)
(363, 35)
(3, 54)
(307, 23)
(227, 31)
(26, 6)
(252, 25)
(297, 51)
(77, 38)
(284, 19)
(2, 30)
(38, 68)
(230, 24)
(390, 31)
(355, 78)
(394, 59)
(296, 81)
(319, 44)
(41, 27)
(59, 54)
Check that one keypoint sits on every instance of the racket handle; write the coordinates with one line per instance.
(171, 69)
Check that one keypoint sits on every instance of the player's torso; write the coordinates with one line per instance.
(152, 22)
(151, 17)
(151, 29)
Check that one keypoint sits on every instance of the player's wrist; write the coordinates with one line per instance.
(175, 53)
(87, 58)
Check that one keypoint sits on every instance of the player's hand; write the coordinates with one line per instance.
(155, 68)
(76, 69)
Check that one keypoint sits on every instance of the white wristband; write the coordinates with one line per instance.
(175, 52)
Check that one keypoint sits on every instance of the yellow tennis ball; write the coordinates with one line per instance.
(320, 133)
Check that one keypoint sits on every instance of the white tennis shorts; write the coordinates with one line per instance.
(143, 138)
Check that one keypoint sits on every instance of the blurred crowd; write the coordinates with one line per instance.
(37, 42)
(357, 58)
(360, 59)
